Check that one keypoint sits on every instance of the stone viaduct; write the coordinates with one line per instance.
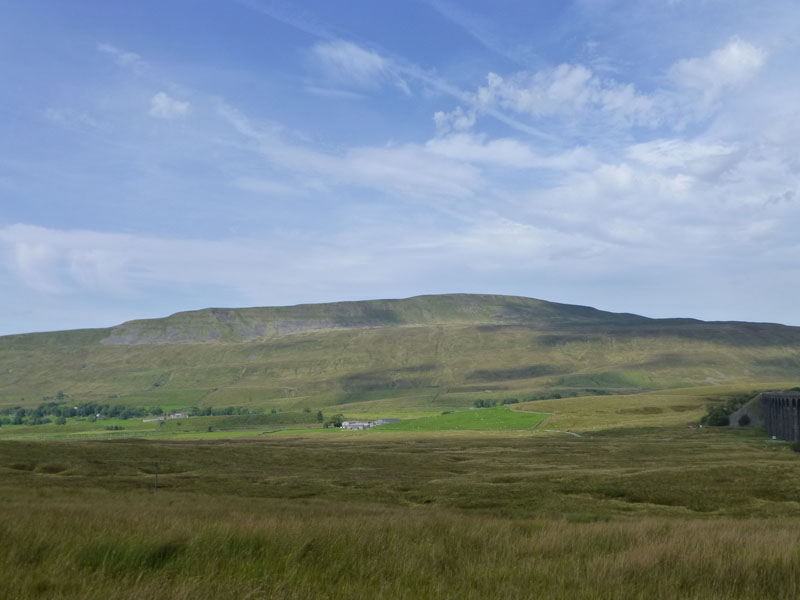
(782, 415)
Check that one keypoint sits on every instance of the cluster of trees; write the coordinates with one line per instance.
(61, 407)
(571, 394)
(51, 410)
(719, 415)
(490, 403)
(334, 421)
(218, 412)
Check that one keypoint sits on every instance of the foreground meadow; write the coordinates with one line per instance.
(651, 513)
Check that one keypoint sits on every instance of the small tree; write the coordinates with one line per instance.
(61, 421)
(320, 418)
(335, 421)
(717, 417)
(744, 420)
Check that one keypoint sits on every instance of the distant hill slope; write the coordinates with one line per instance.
(249, 324)
(439, 350)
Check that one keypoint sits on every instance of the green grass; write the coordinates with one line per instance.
(498, 418)
(81, 428)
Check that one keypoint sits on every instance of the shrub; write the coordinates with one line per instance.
(61, 421)
(744, 421)
(485, 403)
(335, 421)
(717, 416)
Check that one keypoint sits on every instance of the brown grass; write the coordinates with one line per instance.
(650, 516)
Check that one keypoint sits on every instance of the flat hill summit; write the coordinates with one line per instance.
(440, 348)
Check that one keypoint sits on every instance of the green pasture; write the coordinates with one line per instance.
(210, 426)
(498, 418)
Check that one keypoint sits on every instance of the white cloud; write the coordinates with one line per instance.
(730, 66)
(164, 106)
(33, 261)
(508, 153)
(128, 60)
(347, 63)
(566, 90)
(118, 264)
(69, 117)
(456, 120)
(409, 170)
(704, 160)
(60, 262)
(580, 95)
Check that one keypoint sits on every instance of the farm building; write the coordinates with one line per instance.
(361, 425)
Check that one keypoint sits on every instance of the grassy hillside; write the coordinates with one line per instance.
(421, 356)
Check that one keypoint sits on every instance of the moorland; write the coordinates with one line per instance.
(543, 451)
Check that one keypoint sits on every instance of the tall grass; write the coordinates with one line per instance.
(509, 515)
(151, 546)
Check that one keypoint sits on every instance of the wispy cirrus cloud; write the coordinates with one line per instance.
(125, 58)
(69, 117)
(163, 106)
(409, 170)
(346, 63)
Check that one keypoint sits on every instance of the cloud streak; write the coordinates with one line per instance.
(163, 106)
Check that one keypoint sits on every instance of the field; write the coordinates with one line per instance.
(670, 513)
(485, 419)
(584, 475)
(584, 415)
(639, 506)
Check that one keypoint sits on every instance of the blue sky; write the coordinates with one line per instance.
(164, 156)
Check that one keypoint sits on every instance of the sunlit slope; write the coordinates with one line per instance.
(425, 351)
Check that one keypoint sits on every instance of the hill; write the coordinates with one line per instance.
(415, 355)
